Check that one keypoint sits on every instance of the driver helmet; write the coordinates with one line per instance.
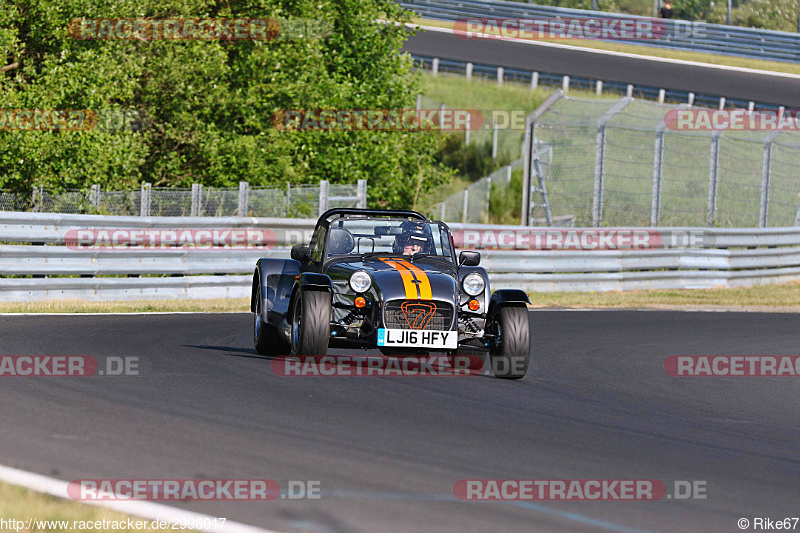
(414, 232)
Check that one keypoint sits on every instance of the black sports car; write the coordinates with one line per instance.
(387, 279)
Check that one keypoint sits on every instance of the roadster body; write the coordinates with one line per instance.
(387, 279)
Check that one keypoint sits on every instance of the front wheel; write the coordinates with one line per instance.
(311, 323)
(511, 358)
(265, 337)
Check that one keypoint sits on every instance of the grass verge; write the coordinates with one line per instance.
(783, 297)
(17, 503)
(698, 57)
(221, 305)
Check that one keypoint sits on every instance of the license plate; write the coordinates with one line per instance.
(414, 338)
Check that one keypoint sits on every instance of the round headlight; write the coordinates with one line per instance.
(360, 281)
(473, 284)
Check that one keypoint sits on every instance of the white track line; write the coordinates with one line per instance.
(143, 509)
(620, 54)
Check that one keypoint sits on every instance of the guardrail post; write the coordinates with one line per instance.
(661, 94)
(598, 87)
(713, 179)
(144, 204)
(722, 103)
(565, 84)
(534, 80)
(690, 100)
(495, 130)
(629, 91)
(244, 193)
(324, 187)
(435, 66)
(197, 196)
(469, 71)
(500, 76)
(465, 206)
(441, 118)
(362, 193)
(658, 166)
(750, 106)
(766, 171)
(466, 130)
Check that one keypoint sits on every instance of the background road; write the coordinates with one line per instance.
(597, 405)
(639, 71)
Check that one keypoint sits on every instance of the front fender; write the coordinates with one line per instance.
(506, 298)
(276, 278)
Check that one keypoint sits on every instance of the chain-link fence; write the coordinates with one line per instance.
(292, 201)
(483, 201)
(622, 163)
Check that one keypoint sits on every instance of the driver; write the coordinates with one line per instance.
(415, 238)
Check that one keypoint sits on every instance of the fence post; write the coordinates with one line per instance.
(197, 196)
(94, 197)
(324, 187)
(435, 66)
(508, 174)
(144, 204)
(466, 130)
(244, 194)
(797, 216)
(469, 71)
(495, 129)
(38, 199)
(465, 206)
(443, 210)
(528, 154)
(713, 179)
(441, 118)
(419, 103)
(288, 198)
(600, 159)
(766, 171)
(362, 193)
(548, 215)
(488, 198)
(658, 166)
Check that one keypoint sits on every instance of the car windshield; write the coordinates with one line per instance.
(348, 236)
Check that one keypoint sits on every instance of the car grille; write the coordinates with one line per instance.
(418, 314)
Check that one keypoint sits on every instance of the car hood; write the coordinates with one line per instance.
(396, 278)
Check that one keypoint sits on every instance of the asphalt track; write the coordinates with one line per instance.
(597, 405)
(638, 71)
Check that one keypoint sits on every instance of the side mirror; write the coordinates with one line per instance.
(301, 252)
(470, 259)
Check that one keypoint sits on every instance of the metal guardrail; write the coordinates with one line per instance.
(724, 257)
(682, 35)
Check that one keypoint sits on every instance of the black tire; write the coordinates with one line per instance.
(265, 337)
(477, 358)
(311, 323)
(512, 358)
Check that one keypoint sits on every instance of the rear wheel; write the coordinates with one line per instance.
(265, 337)
(311, 323)
(511, 358)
